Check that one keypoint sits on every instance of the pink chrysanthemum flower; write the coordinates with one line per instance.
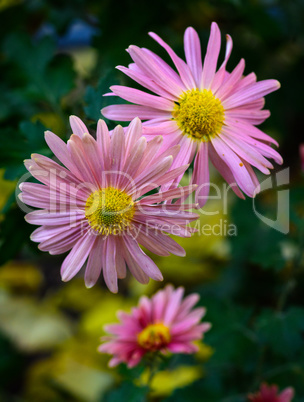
(94, 206)
(211, 113)
(269, 393)
(164, 323)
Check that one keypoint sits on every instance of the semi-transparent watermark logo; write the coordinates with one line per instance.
(62, 196)
(281, 207)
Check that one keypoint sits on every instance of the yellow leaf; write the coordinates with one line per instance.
(31, 326)
(19, 275)
(165, 382)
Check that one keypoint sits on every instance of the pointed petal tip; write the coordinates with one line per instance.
(182, 253)
(48, 133)
(152, 34)
(189, 29)
(214, 25)
(65, 277)
(73, 117)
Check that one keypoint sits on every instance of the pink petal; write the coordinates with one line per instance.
(152, 149)
(157, 127)
(43, 217)
(65, 238)
(152, 68)
(109, 269)
(193, 54)
(146, 264)
(155, 247)
(78, 127)
(95, 159)
(220, 75)
(117, 153)
(224, 170)
(210, 61)
(181, 347)
(162, 241)
(81, 161)
(246, 152)
(133, 162)
(94, 264)
(145, 178)
(201, 174)
(236, 165)
(286, 395)
(181, 66)
(133, 134)
(60, 150)
(145, 81)
(184, 157)
(120, 264)
(135, 269)
(173, 305)
(142, 98)
(251, 93)
(129, 112)
(248, 115)
(76, 258)
(168, 195)
(228, 86)
(242, 128)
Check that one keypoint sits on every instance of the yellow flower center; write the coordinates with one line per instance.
(109, 210)
(154, 337)
(199, 114)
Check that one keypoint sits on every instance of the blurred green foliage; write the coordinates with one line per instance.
(58, 58)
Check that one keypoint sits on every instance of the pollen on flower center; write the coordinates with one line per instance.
(154, 337)
(109, 210)
(199, 114)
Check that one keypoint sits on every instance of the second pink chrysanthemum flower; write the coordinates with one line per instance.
(211, 113)
(165, 323)
(95, 206)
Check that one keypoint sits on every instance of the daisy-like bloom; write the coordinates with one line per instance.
(95, 206)
(165, 323)
(210, 112)
(269, 393)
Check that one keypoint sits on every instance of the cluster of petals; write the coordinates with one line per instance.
(126, 161)
(269, 393)
(168, 308)
(238, 146)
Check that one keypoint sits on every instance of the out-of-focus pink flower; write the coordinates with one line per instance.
(302, 156)
(95, 205)
(269, 393)
(208, 111)
(164, 323)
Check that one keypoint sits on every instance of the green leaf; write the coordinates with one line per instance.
(16, 146)
(32, 58)
(96, 101)
(282, 331)
(14, 233)
(59, 78)
(127, 391)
